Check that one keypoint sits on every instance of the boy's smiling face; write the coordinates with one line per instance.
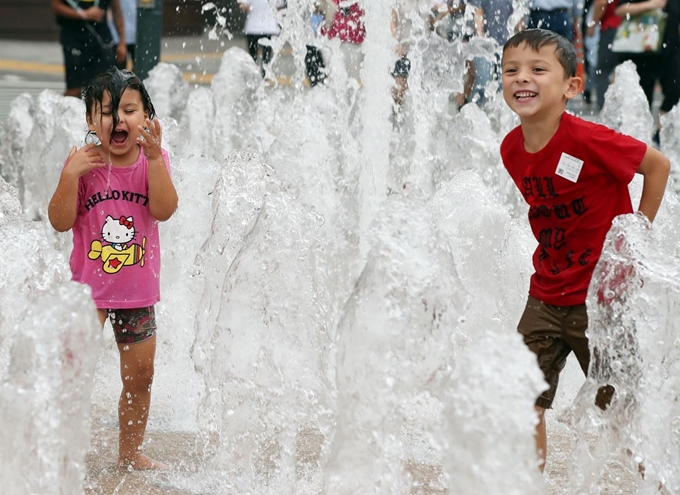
(534, 82)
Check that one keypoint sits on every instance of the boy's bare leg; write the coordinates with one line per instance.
(541, 437)
(136, 372)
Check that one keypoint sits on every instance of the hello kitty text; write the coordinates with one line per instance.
(132, 197)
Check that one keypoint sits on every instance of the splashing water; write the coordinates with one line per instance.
(341, 284)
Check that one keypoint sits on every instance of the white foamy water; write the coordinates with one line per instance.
(341, 285)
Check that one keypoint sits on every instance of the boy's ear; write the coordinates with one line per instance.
(574, 87)
(90, 124)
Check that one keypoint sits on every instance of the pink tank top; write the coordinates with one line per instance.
(116, 246)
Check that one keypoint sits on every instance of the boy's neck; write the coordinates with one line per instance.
(538, 133)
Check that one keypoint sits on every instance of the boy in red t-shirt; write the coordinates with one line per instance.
(574, 175)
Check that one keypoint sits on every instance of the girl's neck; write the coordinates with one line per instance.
(123, 161)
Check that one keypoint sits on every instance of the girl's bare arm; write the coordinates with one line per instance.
(63, 208)
(162, 193)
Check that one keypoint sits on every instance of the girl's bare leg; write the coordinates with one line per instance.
(136, 372)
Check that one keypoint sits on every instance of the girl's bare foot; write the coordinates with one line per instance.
(141, 462)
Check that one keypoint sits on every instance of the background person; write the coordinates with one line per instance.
(401, 27)
(129, 8)
(663, 66)
(494, 18)
(457, 20)
(605, 17)
(87, 41)
(261, 23)
(347, 24)
(314, 62)
(560, 16)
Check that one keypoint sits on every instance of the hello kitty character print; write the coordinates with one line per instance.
(120, 252)
(118, 232)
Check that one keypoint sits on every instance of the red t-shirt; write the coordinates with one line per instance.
(574, 186)
(610, 20)
(348, 23)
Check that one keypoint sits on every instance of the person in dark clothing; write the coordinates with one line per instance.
(604, 16)
(314, 62)
(663, 66)
(86, 39)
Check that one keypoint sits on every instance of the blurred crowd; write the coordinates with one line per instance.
(590, 24)
(91, 44)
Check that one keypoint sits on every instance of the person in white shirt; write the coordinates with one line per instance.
(261, 23)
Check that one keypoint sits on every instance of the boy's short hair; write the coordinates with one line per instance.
(538, 38)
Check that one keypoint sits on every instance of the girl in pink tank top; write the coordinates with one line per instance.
(112, 194)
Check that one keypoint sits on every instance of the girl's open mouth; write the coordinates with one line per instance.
(119, 137)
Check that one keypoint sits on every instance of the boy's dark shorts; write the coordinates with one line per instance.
(132, 326)
(552, 332)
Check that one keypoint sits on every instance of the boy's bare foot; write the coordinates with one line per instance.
(141, 462)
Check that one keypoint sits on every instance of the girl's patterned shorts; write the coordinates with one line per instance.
(131, 326)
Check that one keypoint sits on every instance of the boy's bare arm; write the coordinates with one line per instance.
(655, 168)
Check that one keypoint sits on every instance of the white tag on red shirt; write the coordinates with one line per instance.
(569, 167)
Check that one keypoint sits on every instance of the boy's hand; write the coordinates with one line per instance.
(619, 279)
(81, 161)
(150, 139)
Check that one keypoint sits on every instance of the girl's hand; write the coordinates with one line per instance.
(81, 161)
(150, 138)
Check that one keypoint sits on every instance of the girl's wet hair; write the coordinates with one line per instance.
(115, 81)
(538, 38)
